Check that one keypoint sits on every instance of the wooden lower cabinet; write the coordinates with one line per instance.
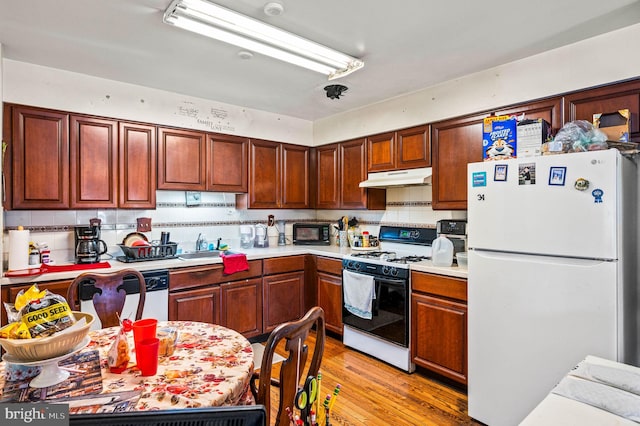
(283, 299)
(329, 282)
(242, 306)
(439, 325)
(202, 304)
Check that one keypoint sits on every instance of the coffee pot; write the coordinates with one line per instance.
(89, 246)
(247, 236)
(262, 239)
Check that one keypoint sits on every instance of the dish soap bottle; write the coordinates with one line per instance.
(442, 252)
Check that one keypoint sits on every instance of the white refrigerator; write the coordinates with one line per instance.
(552, 275)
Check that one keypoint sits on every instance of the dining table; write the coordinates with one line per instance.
(211, 365)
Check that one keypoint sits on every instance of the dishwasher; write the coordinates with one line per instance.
(156, 303)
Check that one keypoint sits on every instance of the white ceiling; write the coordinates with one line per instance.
(406, 45)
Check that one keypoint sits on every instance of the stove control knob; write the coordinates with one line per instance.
(386, 270)
(394, 271)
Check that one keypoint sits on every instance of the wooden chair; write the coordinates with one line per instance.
(109, 300)
(292, 371)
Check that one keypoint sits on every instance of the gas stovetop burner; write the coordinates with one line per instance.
(408, 259)
(374, 255)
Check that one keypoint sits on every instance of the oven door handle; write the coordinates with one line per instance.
(391, 282)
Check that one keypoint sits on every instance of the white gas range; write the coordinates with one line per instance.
(376, 294)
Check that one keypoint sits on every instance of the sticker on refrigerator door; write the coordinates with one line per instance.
(557, 176)
(527, 174)
(500, 173)
(597, 195)
(479, 179)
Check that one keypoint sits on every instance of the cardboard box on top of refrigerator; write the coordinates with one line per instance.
(499, 138)
(531, 134)
(613, 124)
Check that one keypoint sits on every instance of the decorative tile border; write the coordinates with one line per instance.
(133, 226)
(217, 205)
(409, 204)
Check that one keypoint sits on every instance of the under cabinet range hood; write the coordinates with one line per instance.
(409, 177)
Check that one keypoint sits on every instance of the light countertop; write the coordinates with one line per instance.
(252, 254)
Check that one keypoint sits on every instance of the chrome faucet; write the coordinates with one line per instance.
(201, 243)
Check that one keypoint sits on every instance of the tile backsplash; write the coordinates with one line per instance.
(215, 217)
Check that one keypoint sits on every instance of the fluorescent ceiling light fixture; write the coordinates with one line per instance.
(211, 20)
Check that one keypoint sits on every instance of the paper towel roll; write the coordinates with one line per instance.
(18, 250)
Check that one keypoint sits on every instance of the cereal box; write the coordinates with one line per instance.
(499, 138)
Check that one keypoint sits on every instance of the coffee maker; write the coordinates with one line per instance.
(89, 246)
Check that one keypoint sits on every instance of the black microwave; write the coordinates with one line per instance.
(311, 233)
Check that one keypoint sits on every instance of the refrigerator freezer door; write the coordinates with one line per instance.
(532, 319)
(542, 216)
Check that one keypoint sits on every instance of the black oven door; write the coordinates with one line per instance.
(390, 312)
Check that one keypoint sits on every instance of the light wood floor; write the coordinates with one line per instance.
(374, 393)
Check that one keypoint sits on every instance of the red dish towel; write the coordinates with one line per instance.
(233, 263)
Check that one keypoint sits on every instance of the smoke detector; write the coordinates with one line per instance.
(273, 9)
(335, 90)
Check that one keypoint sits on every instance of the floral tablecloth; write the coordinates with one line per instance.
(211, 366)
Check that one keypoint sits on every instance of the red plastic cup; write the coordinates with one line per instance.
(147, 356)
(144, 329)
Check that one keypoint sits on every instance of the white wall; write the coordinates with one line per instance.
(599, 60)
(57, 89)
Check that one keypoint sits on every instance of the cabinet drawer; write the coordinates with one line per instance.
(279, 265)
(454, 288)
(330, 266)
(209, 274)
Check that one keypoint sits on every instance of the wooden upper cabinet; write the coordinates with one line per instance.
(582, 105)
(404, 149)
(181, 159)
(137, 166)
(227, 163)
(327, 168)
(278, 176)
(295, 177)
(456, 143)
(353, 160)
(40, 164)
(264, 174)
(549, 110)
(413, 148)
(93, 162)
(381, 152)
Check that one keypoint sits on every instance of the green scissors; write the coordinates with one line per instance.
(306, 396)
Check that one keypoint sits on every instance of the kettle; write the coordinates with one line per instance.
(442, 252)
(262, 239)
(247, 235)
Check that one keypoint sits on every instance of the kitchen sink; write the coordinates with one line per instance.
(200, 254)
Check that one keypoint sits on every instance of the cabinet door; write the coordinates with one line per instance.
(330, 299)
(328, 177)
(264, 174)
(353, 157)
(413, 148)
(137, 166)
(295, 177)
(583, 104)
(242, 306)
(381, 152)
(439, 336)
(456, 143)
(181, 159)
(40, 148)
(283, 299)
(227, 163)
(201, 305)
(94, 163)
